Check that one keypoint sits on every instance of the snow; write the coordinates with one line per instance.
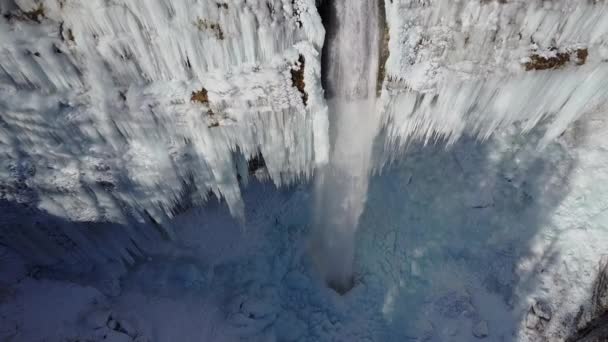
(136, 216)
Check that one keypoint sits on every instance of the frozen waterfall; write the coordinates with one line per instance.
(341, 186)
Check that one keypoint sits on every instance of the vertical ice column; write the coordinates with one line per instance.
(341, 187)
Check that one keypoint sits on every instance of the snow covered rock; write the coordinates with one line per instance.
(110, 287)
(454, 305)
(97, 319)
(115, 336)
(539, 314)
(480, 329)
(126, 327)
(532, 321)
(112, 324)
(251, 313)
(542, 309)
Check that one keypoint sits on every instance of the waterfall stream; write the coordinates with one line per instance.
(341, 187)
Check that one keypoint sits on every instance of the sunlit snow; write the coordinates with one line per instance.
(193, 171)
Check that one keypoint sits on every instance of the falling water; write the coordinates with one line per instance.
(341, 187)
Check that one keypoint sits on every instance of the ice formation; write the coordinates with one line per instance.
(473, 67)
(114, 111)
(470, 68)
(117, 118)
(122, 110)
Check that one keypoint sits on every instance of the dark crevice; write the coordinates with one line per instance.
(256, 163)
(341, 288)
(383, 47)
(596, 329)
(327, 11)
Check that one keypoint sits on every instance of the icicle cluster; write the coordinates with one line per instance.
(155, 94)
(471, 67)
(140, 108)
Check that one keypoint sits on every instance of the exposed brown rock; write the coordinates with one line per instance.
(200, 96)
(297, 78)
(35, 15)
(204, 24)
(539, 62)
(384, 51)
(581, 56)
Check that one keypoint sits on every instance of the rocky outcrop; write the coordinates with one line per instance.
(592, 322)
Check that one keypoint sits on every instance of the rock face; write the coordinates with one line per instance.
(542, 309)
(539, 314)
(592, 321)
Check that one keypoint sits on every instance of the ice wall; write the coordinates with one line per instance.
(94, 82)
(472, 67)
(114, 109)
(138, 109)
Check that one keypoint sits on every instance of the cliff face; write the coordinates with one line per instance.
(472, 67)
(132, 109)
(106, 103)
(118, 115)
(140, 102)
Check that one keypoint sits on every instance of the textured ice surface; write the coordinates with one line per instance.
(102, 144)
(99, 122)
(474, 66)
(98, 96)
(132, 111)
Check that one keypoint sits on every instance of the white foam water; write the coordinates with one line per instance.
(341, 186)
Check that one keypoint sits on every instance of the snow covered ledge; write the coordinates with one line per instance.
(147, 104)
(471, 67)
